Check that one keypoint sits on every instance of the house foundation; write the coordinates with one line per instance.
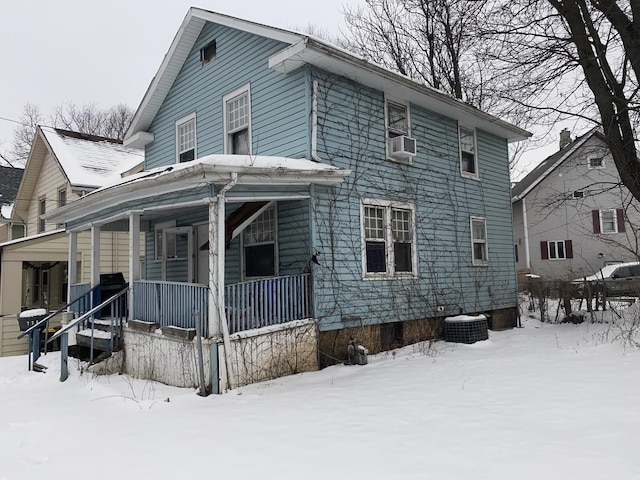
(377, 338)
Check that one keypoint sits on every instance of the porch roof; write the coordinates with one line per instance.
(216, 170)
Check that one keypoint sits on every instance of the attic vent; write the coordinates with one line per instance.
(208, 52)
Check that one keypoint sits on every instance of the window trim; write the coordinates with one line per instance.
(42, 209)
(590, 167)
(556, 242)
(204, 58)
(464, 173)
(225, 111)
(387, 129)
(179, 123)
(158, 228)
(615, 221)
(485, 242)
(388, 205)
(276, 246)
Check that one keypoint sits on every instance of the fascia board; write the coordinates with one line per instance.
(186, 179)
(379, 78)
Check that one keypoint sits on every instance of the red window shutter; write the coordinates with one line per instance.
(568, 248)
(620, 215)
(595, 214)
(544, 251)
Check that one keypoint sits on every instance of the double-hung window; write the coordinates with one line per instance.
(468, 156)
(397, 119)
(608, 221)
(388, 239)
(186, 139)
(259, 241)
(479, 241)
(237, 123)
(42, 209)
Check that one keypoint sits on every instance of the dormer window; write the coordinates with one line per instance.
(186, 139)
(208, 53)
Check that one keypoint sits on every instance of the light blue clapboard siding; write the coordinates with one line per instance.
(279, 111)
(293, 237)
(351, 121)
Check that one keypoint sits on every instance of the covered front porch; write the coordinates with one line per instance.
(229, 241)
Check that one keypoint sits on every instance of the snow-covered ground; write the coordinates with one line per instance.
(540, 402)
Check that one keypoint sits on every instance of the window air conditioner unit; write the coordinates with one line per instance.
(402, 147)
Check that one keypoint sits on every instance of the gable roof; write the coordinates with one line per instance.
(87, 161)
(306, 49)
(9, 182)
(549, 164)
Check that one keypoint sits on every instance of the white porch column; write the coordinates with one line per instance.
(72, 264)
(95, 256)
(134, 256)
(216, 266)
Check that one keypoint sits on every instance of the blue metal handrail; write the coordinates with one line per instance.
(64, 332)
(60, 310)
(34, 330)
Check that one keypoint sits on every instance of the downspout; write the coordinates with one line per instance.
(314, 123)
(527, 256)
(220, 293)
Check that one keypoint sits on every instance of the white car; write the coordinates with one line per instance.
(614, 280)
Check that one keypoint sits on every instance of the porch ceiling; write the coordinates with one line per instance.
(262, 178)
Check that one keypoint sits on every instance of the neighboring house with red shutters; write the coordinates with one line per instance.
(571, 214)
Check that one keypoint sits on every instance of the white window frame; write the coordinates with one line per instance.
(614, 212)
(463, 172)
(599, 167)
(479, 262)
(387, 128)
(228, 144)
(42, 209)
(556, 243)
(243, 244)
(388, 239)
(160, 253)
(180, 123)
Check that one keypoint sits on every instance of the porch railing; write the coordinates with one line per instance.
(251, 304)
(83, 301)
(170, 303)
(269, 301)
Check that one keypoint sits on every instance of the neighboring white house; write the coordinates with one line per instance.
(62, 166)
(571, 214)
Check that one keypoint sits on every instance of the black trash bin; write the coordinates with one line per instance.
(110, 285)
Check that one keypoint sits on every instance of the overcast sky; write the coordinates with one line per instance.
(106, 52)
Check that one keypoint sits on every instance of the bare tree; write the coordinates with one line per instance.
(430, 41)
(88, 118)
(578, 58)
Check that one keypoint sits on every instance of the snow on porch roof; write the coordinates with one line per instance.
(212, 169)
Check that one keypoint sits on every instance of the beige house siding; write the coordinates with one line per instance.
(55, 248)
(50, 180)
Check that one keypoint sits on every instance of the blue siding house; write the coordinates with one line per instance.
(287, 179)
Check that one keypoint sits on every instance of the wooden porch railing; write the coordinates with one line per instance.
(251, 304)
(269, 301)
(170, 303)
